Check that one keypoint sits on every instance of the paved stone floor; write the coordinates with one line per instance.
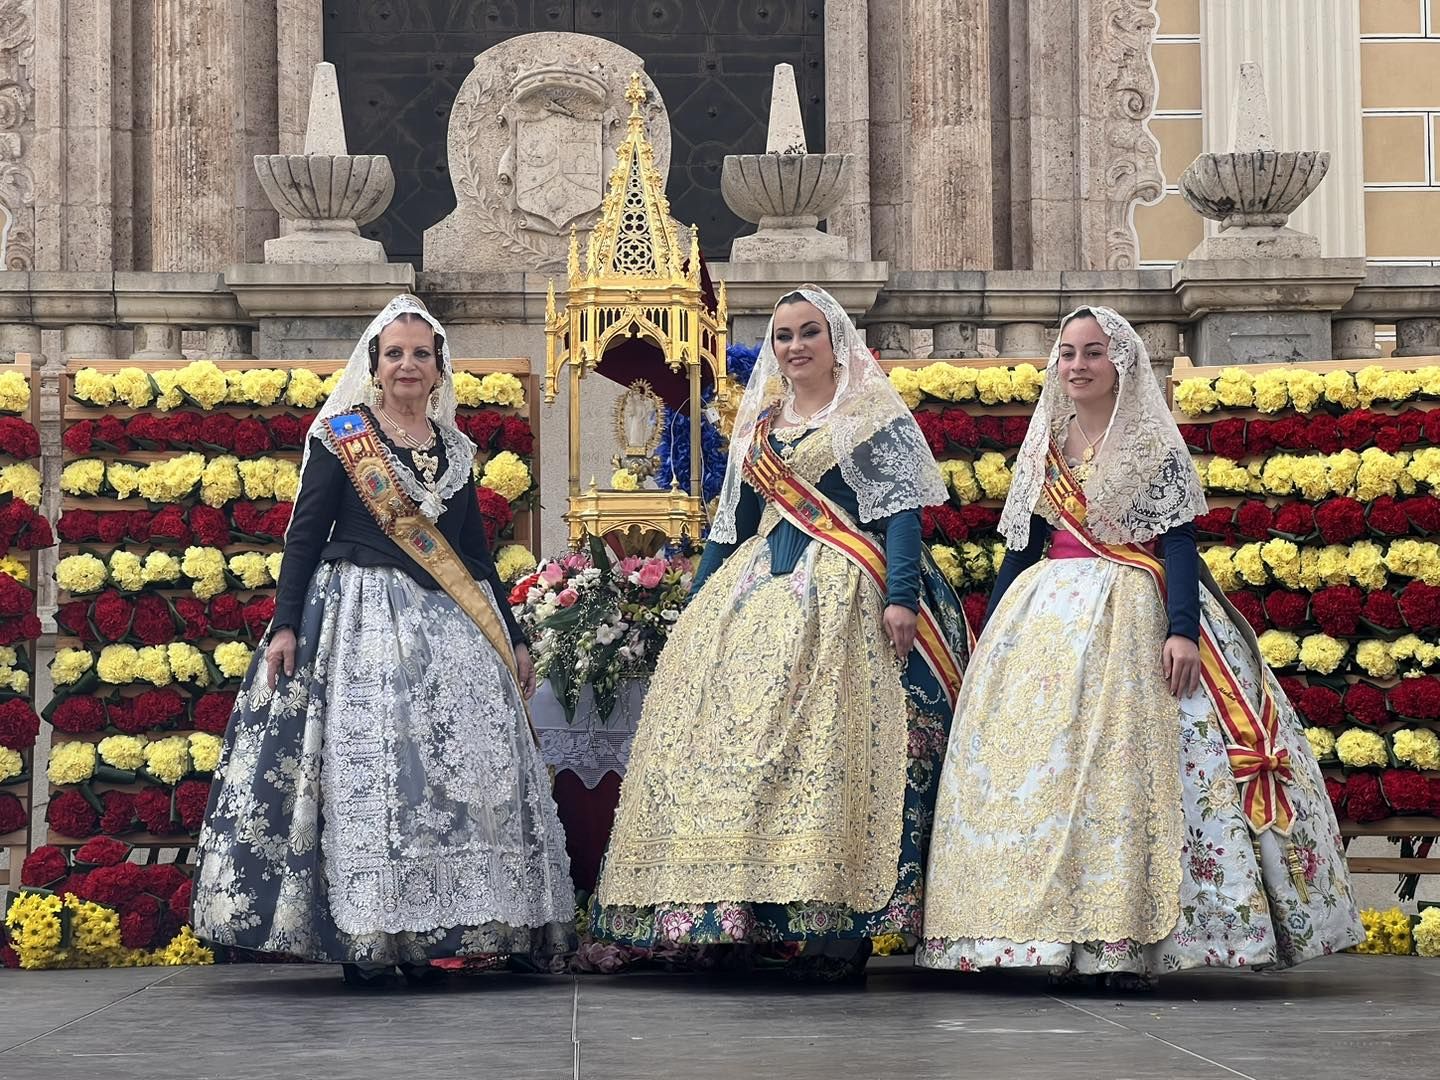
(1343, 1017)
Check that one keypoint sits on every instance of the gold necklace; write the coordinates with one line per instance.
(428, 464)
(1088, 454)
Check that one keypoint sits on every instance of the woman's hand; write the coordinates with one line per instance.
(525, 671)
(1180, 662)
(900, 629)
(280, 653)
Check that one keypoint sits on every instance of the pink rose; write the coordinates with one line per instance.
(652, 573)
(630, 564)
(567, 598)
(553, 574)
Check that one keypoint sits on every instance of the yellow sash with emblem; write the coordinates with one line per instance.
(360, 451)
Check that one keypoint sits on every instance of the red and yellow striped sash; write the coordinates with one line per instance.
(1260, 768)
(811, 512)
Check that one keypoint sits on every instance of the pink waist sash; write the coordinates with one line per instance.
(1066, 545)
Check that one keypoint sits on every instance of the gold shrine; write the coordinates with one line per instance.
(636, 283)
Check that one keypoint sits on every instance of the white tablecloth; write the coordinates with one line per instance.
(590, 747)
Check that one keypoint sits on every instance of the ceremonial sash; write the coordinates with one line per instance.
(1260, 769)
(805, 507)
(360, 451)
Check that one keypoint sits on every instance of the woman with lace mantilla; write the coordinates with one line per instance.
(380, 800)
(1127, 790)
(782, 776)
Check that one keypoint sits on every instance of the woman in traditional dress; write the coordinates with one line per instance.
(1127, 790)
(380, 800)
(782, 777)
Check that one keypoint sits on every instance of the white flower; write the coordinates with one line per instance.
(605, 634)
(670, 614)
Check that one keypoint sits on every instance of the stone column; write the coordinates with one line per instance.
(847, 116)
(86, 341)
(948, 48)
(1354, 339)
(1417, 337)
(156, 341)
(18, 338)
(1023, 339)
(1310, 53)
(955, 340)
(229, 343)
(212, 106)
(891, 339)
(1162, 342)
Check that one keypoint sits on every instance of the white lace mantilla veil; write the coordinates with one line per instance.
(354, 389)
(1144, 482)
(882, 453)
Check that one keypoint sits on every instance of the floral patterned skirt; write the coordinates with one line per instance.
(1054, 845)
(718, 717)
(386, 804)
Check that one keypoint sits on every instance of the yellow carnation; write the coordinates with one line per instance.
(80, 574)
(1280, 649)
(512, 562)
(173, 479)
(947, 382)
(1376, 658)
(624, 480)
(273, 562)
(1415, 559)
(258, 476)
(1278, 474)
(187, 663)
(205, 567)
(287, 480)
(1424, 466)
(960, 478)
(233, 659)
(1417, 746)
(993, 385)
(117, 664)
(125, 570)
(123, 478)
(948, 560)
(123, 751)
(220, 483)
(1378, 475)
(160, 568)
(203, 383)
(1357, 748)
(1367, 565)
(507, 474)
(1195, 397)
(906, 382)
(1250, 563)
(250, 568)
(205, 751)
(70, 666)
(1332, 566)
(305, 389)
(1235, 388)
(1322, 742)
(1221, 561)
(1340, 389)
(71, 763)
(1027, 382)
(168, 759)
(82, 477)
(152, 665)
(134, 387)
(1427, 933)
(1272, 390)
(1322, 653)
(11, 764)
(167, 389)
(23, 481)
(93, 387)
(993, 474)
(263, 386)
(1222, 474)
(1306, 389)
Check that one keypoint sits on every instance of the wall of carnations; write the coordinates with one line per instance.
(177, 487)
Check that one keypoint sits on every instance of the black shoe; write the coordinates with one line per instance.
(422, 974)
(367, 977)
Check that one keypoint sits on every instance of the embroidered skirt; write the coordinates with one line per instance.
(1087, 820)
(387, 802)
(783, 774)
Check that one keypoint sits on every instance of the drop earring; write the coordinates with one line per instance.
(375, 393)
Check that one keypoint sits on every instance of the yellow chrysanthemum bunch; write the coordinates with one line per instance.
(514, 561)
(15, 568)
(36, 922)
(507, 475)
(1358, 748)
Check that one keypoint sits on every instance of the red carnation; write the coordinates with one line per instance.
(74, 619)
(196, 624)
(1197, 437)
(152, 807)
(19, 726)
(225, 613)
(26, 628)
(36, 534)
(137, 525)
(1423, 511)
(218, 429)
(927, 525)
(1362, 798)
(43, 867)
(991, 434)
(247, 517)
(183, 430)
(1388, 437)
(18, 438)
(1291, 685)
(1411, 426)
(1357, 429)
(1254, 520)
(1382, 610)
(70, 815)
(1250, 606)
(12, 814)
(181, 899)
(951, 524)
(975, 605)
(257, 614)
(1386, 518)
(212, 712)
(1013, 430)
(1420, 605)
(1337, 610)
(1227, 438)
(1340, 520)
(1217, 522)
(102, 851)
(157, 709)
(1416, 699)
(1405, 790)
(1431, 423)
(1336, 792)
(1365, 704)
(516, 436)
(275, 521)
(15, 599)
(495, 512)
(112, 526)
(118, 816)
(112, 615)
(162, 879)
(1287, 610)
(933, 429)
(111, 431)
(959, 428)
(79, 438)
(120, 713)
(139, 922)
(482, 427)
(1291, 433)
(153, 624)
(979, 519)
(191, 797)
(78, 526)
(148, 429)
(170, 524)
(251, 438)
(1320, 705)
(287, 431)
(79, 714)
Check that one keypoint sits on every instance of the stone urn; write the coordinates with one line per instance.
(325, 193)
